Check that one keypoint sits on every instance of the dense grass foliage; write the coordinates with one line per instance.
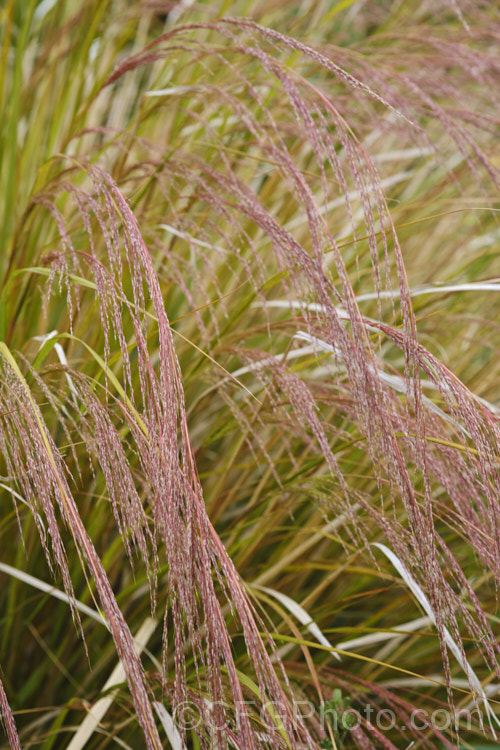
(249, 374)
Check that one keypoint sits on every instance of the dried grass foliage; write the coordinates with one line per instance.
(225, 360)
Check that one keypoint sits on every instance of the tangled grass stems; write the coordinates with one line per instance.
(245, 347)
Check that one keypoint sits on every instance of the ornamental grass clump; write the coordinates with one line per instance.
(250, 428)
